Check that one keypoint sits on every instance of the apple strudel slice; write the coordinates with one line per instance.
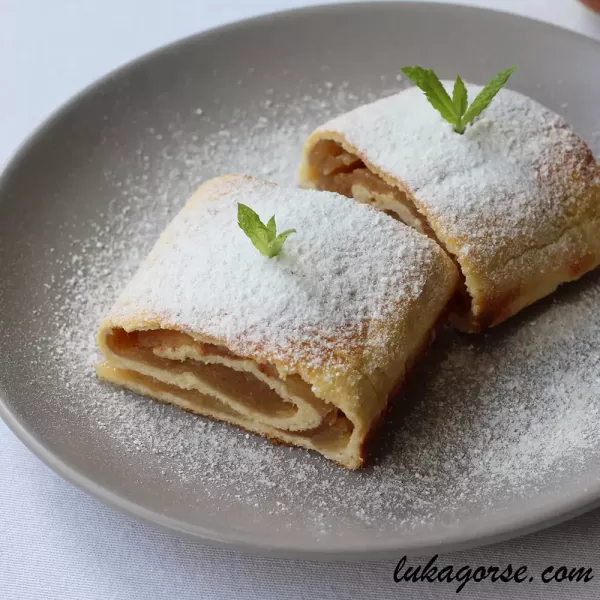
(306, 347)
(515, 200)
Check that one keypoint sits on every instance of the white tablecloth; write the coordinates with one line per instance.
(58, 544)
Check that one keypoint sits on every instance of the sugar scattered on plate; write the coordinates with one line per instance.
(488, 420)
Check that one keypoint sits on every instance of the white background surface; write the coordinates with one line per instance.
(58, 544)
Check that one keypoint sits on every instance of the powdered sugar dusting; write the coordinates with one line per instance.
(347, 268)
(491, 419)
(507, 184)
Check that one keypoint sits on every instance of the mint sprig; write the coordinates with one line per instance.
(264, 237)
(456, 110)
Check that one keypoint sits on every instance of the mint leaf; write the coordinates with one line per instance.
(276, 244)
(253, 227)
(437, 95)
(272, 228)
(487, 94)
(263, 237)
(460, 99)
(454, 110)
(248, 220)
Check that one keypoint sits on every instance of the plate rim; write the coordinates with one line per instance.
(475, 533)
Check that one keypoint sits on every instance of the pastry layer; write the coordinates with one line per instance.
(515, 201)
(305, 348)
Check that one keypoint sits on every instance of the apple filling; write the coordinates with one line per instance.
(207, 376)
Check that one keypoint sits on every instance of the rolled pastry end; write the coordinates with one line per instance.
(200, 376)
(206, 378)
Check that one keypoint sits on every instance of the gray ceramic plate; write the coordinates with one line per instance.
(498, 435)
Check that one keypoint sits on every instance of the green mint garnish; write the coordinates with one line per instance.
(264, 237)
(456, 110)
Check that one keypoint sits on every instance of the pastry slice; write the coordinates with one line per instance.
(304, 348)
(515, 200)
